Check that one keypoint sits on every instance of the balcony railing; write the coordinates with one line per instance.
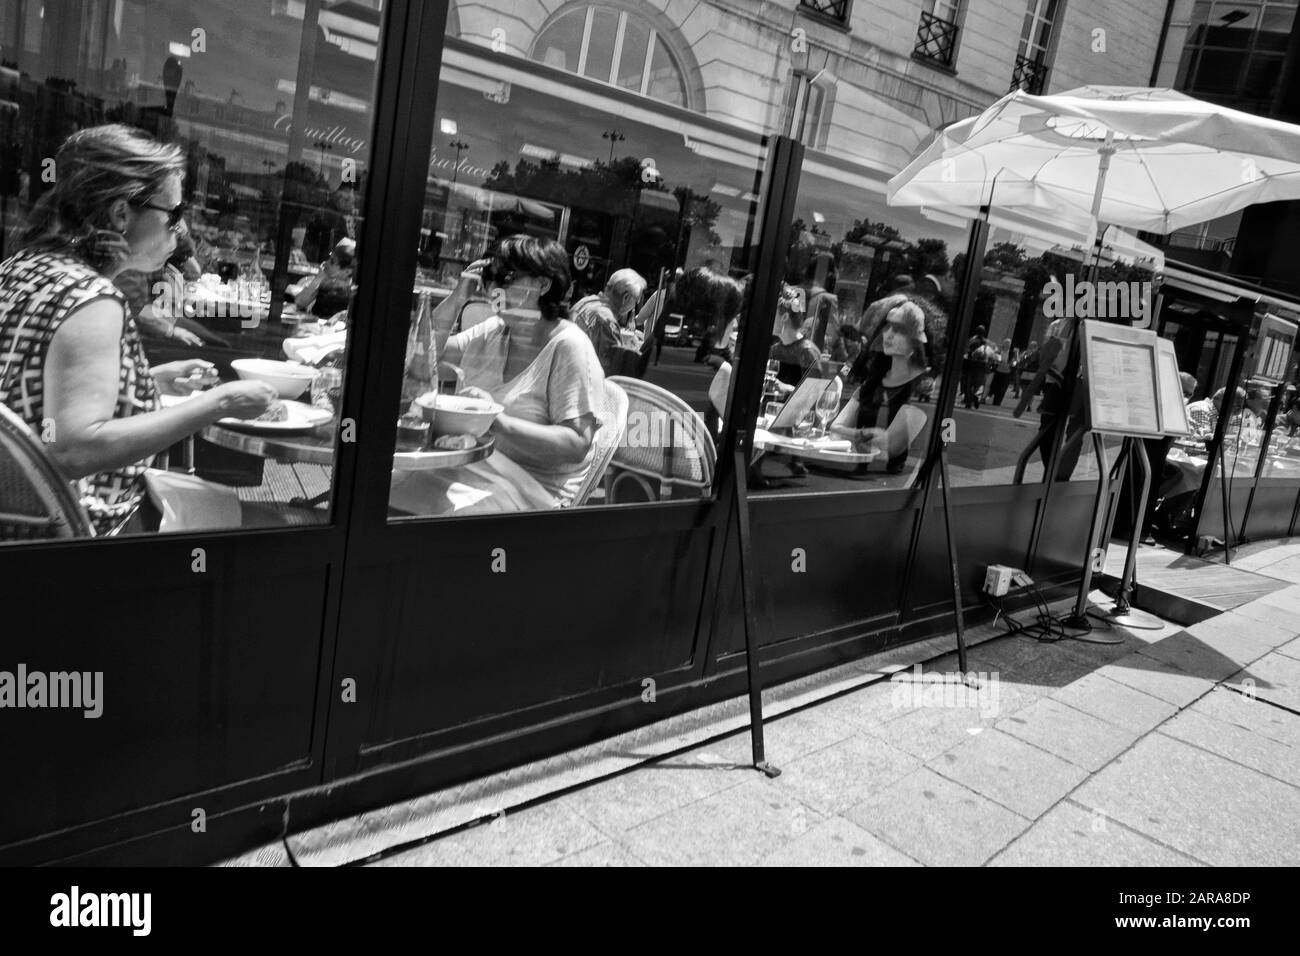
(936, 39)
(1030, 76)
(837, 10)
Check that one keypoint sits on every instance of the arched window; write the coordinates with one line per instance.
(615, 46)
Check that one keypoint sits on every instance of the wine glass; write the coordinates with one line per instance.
(828, 405)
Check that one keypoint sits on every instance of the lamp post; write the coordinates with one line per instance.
(460, 147)
(803, 75)
(614, 137)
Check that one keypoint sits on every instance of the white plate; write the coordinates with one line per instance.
(302, 418)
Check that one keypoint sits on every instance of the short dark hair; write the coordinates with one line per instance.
(541, 258)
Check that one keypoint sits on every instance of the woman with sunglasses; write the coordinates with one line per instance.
(71, 362)
(541, 368)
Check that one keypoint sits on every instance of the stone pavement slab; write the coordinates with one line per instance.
(1274, 678)
(843, 774)
(1251, 633)
(531, 837)
(1158, 679)
(936, 821)
(1291, 649)
(602, 854)
(1271, 614)
(1193, 654)
(1116, 703)
(928, 731)
(631, 799)
(790, 736)
(1080, 738)
(1071, 835)
(737, 827)
(1254, 715)
(1015, 774)
(837, 842)
(1198, 803)
(1253, 750)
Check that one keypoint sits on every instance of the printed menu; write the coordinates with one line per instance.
(1122, 379)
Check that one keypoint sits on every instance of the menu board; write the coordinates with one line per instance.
(1123, 379)
(1173, 410)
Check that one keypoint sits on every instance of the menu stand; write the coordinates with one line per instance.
(741, 498)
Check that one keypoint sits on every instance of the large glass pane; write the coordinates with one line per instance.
(581, 283)
(237, 303)
(600, 44)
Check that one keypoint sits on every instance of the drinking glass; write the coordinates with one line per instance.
(769, 377)
(828, 405)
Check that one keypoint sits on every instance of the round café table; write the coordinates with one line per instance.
(317, 448)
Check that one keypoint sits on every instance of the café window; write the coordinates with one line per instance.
(227, 262)
(583, 275)
(1031, 68)
(615, 46)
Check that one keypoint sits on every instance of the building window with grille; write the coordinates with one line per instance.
(837, 11)
(1031, 68)
(614, 46)
(936, 34)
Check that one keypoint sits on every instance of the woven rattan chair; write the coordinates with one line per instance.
(36, 501)
(613, 421)
(666, 446)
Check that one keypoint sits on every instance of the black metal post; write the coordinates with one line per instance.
(1128, 581)
(952, 560)
(1099, 514)
(755, 680)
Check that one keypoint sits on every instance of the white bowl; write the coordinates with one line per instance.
(288, 379)
(457, 414)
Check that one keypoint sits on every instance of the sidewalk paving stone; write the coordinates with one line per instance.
(602, 854)
(1275, 678)
(1080, 738)
(1115, 703)
(737, 827)
(936, 821)
(532, 837)
(1287, 598)
(1017, 775)
(1254, 715)
(1199, 803)
(837, 842)
(1253, 750)
(846, 773)
(631, 799)
(1157, 679)
(1071, 835)
(1194, 654)
(1291, 650)
(863, 709)
(928, 731)
(790, 735)
(1247, 630)
(1266, 613)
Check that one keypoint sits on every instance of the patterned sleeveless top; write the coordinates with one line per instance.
(38, 290)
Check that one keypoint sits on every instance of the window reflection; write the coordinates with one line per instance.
(220, 233)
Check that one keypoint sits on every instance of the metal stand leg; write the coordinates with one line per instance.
(1224, 478)
(1079, 619)
(952, 560)
(750, 622)
(1123, 612)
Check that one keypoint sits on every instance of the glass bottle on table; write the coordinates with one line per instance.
(420, 375)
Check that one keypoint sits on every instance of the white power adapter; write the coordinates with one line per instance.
(1000, 578)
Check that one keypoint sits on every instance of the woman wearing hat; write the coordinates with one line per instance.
(881, 415)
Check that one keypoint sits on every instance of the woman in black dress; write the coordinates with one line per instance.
(882, 416)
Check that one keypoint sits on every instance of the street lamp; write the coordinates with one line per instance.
(460, 147)
(614, 137)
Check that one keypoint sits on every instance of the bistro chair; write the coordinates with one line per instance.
(613, 422)
(665, 446)
(36, 501)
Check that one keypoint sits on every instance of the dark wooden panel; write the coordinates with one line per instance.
(1270, 512)
(208, 680)
(465, 643)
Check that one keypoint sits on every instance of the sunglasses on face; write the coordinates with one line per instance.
(174, 214)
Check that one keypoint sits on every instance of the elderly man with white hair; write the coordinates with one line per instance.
(608, 317)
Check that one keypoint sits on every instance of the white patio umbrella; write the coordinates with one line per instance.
(1144, 158)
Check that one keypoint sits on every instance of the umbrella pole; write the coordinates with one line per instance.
(1104, 152)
